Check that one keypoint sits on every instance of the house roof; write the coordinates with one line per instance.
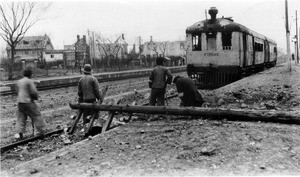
(33, 42)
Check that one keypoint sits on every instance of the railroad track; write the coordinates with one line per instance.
(13, 92)
(48, 134)
(103, 77)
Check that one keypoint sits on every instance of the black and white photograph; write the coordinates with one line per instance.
(149, 88)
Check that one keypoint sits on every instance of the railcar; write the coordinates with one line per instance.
(220, 51)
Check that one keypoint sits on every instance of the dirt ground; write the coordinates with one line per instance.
(181, 146)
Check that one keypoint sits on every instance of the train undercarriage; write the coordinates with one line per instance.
(212, 77)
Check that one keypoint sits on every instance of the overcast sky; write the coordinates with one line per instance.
(165, 20)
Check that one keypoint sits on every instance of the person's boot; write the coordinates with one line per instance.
(18, 136)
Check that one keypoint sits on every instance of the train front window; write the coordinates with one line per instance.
(226, 40)
(211, 41)
(196, 42)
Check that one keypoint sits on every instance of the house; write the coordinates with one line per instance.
(82, 51)
(31, 47)
(77, 54)
(173, 51)
(69, 55)
(54, 55)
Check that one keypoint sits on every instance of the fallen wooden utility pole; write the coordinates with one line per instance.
(291, 117)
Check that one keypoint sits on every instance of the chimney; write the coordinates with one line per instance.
(123, 37)
(78, 38)
(84, 38)
(213, 13)
(151, 39)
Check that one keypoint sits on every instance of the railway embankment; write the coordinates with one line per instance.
(183, 146)
(277, 88)
(66, 81)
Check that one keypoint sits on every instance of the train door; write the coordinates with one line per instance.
(253, 61)
(244, 49)
(266, 51)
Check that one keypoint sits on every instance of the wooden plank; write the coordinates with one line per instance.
(73, 127)
(110, 117)
(108, 121)
(95, 115)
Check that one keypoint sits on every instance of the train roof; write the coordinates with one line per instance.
(222, 25)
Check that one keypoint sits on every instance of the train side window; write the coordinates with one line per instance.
(226, 40)
(196, 39)
(258, 46)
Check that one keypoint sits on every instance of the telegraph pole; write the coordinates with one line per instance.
(140, 43)
(287, 36)
(297, 41)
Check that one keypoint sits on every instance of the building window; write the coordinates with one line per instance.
(26, 52)
(52, 56)
(25, 42)
(196, 39)
(181, 45)
(226, 40)
(148, 56)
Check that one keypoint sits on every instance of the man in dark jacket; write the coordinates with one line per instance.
(187, 92)
(88, 90)
(159, 78)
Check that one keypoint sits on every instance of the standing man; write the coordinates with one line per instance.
(159, 78)
(187, 92)
(27, 93)
(88, 90)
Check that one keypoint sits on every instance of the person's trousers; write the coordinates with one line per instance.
(87, 113)
(157, 96)
(29, 110)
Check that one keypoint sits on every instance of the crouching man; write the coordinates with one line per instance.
(27, 93)
(188, 92)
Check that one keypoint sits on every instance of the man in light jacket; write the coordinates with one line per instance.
(27, 94)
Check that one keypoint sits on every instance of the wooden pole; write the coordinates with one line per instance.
(230, 114)
(288, 36)
(297, 41)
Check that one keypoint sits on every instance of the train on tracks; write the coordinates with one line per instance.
(221, 51)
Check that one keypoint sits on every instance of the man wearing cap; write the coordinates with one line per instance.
(27, 93)
(187, 92)
(159, 78)
(88, 90)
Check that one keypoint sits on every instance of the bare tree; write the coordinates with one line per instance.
(111, 50)
(153, 46)
(163, 47)
(103, 48)
(16, 19)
